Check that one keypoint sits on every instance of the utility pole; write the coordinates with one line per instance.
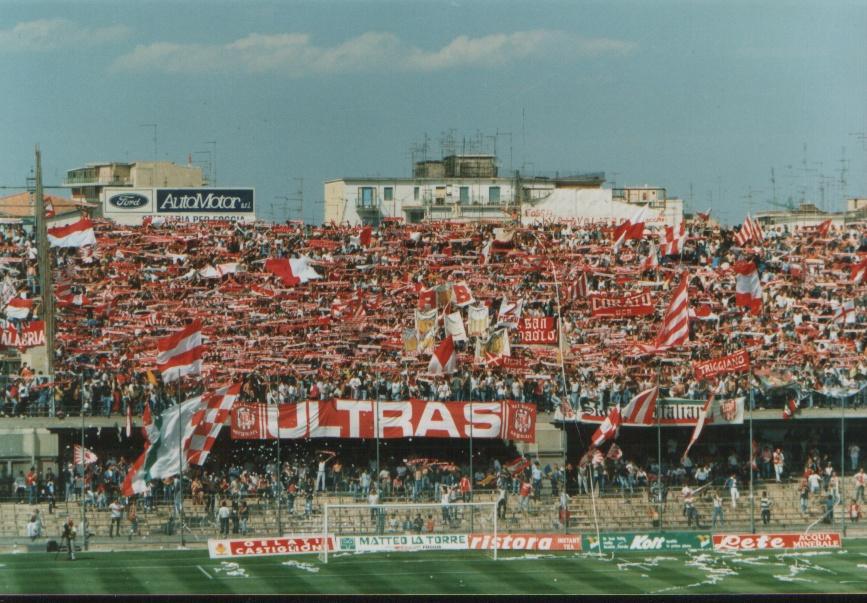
(214, 144)
(155, 172)
(44, 263)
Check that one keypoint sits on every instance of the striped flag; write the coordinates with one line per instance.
(77, 234)
(675, 325)
(83, 456)
(748, 289)
(858, 272)
(517, 466)
(19, 308)
(180, 354)
(651, 262)
(640, 409)
(750, 231)
(608, 429)
(191, 427)
(699, 425)
(444, 359)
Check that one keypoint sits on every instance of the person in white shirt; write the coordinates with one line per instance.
(116, 515)
(224, 514)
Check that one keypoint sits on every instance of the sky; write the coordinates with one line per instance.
(703, 98)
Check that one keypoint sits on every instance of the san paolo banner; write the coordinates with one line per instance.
(739, 362)
(538, 330)
(505, 420)
(610, 306)
(673, 412)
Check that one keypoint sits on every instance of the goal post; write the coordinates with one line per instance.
(406, 527)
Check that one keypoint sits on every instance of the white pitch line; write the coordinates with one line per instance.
(201, 569)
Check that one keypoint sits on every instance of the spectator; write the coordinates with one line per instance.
(765, 506)
(223, 514)
(116, 510)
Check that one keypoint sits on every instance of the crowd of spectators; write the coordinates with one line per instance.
(343, 335)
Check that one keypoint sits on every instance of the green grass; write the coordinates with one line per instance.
(177, 572)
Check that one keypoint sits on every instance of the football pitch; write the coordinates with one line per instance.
(181, 572)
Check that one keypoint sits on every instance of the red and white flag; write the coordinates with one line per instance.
(83, 459)
(673, 244)
(209, 420)
(845, 312)
(49, 208)
(651, 262)
(824, 228)
(704, 216)
(518, 465)
(858, 272)
(77, 234)
(675, 325)
(699, 425)
(485, 255)
(461, 294)
(444, 359)
(614, 452)
(19, 308)
(748, 290)
(577, 288)
(180, 354)
(640, 409)
(608, 429)
(791, 408)
(750, 231)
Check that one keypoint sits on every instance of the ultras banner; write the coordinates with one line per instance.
(506, 420)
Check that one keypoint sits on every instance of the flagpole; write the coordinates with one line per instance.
(180, 492)
(279, 484)
(593, 504)
(752, 458)
(83, 507)
(841, 481)
(658, 411)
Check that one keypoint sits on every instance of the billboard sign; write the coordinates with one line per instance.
(756, 542)
(264, 547)
(128, 200)
(205, 200)
(670, 541)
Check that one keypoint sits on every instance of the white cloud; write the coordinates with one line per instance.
(53, 34)
(294, 54)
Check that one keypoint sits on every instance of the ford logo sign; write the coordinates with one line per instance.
(128, 200)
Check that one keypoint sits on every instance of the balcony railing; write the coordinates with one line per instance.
(96, 181)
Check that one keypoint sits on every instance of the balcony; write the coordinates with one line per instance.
(94, 180)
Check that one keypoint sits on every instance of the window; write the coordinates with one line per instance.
(465, 194)
(415, 193)
(366, 196)
(493, 194)
(388, 193)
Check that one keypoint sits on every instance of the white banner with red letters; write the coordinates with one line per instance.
(525, 542)
(504, 420)
(739, 362)
(538, 330)
(755, 542)
(263, 547)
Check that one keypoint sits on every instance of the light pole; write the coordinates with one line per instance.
(213, 143)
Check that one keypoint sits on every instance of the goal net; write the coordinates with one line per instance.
(399, 527)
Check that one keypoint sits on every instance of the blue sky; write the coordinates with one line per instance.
(707, 95)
